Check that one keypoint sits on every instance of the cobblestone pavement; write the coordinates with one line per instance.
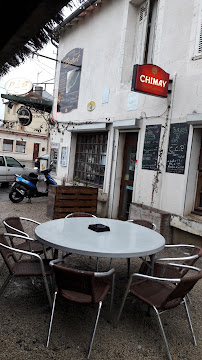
(24, 316)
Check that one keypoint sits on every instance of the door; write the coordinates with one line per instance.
(13, 167)
(126, 188)
(35, 151)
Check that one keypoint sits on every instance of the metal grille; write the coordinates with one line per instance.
(91, 158)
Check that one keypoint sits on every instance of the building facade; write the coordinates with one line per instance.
(25, 143)
(143, 151)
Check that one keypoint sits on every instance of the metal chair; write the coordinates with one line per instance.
(80, 214)
(14, 225)
(163, 294)
(82, 287)
(33, 266)
(145, 223)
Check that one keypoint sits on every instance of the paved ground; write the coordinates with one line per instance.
(24, 316)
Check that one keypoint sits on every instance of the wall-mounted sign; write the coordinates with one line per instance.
(69, 82)
(177, 148)
(24, 116)
(150, 79)
(18, 86)
(91, 106)
(151, 147)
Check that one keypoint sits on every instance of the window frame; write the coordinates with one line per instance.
(90, 158)
(7, 144)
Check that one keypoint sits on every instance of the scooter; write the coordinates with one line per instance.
(25, 186)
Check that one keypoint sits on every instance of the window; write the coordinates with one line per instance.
(150, 36)
(11, 162)
(2, 162)
(7, 145)
(146, 32)
(20, 146)
(90, 157)
(198, 45)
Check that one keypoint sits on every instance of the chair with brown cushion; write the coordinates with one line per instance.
(145, 223)
(82, 287)
(30, 266)
(163, 294)
(13, 224)
(80, 214)
(190, 254)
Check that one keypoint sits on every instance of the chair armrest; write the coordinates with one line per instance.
(154, 278)
(31, 220)
(19, 236)
(178, 245)
(24, 252)
(56, 261)
(189, 267)
(105, 274)
(182, 258)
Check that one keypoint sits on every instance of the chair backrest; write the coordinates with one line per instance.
(13, 223)
(80, 283)
(80, 214)
(180, 291)
(7, 254)
(145, 223)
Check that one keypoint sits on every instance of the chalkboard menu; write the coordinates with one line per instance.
(151, 147)
(177, 148)
(69, 82)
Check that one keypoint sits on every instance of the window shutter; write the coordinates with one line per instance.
(198, 45)
(142, 31)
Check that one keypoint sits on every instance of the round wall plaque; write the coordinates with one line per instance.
(91, 106)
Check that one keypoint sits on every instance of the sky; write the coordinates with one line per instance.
(36, 69)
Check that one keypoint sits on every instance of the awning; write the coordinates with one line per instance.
(43, 105)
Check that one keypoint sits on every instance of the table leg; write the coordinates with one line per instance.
(151, 271)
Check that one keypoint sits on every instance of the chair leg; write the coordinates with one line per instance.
(123, 301)
(163, 333)
(51, 319)
(47, 290)
(128, 262)
(189, 321)
(94, 330)
(97, 264)
(6, 283)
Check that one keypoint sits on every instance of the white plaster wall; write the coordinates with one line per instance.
(107, 38)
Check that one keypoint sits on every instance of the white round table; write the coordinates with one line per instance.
(124, 240)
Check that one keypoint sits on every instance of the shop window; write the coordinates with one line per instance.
(20, 146)
(90, 158)
(7, 145)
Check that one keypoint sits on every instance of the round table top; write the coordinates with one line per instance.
(124, 240)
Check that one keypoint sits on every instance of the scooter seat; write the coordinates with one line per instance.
(31, 177)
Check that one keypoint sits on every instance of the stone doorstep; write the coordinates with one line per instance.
(191, 223)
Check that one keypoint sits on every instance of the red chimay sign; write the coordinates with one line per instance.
(150, 79)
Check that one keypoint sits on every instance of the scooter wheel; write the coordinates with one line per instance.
(15, 196)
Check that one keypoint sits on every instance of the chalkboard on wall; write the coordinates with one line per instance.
(177, 148)
(151, 147)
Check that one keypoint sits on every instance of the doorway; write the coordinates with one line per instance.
(129, 161)
(36, 151)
